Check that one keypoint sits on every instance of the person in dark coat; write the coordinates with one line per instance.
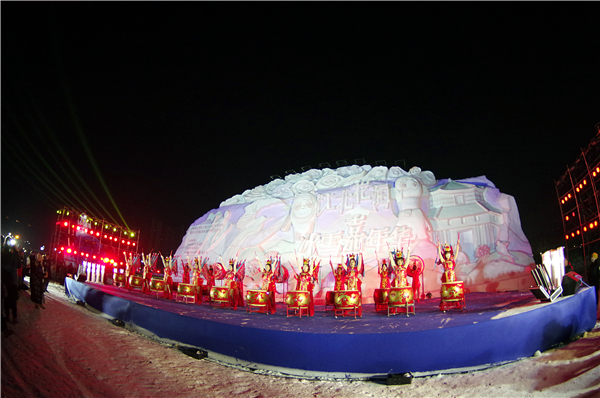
(37, 284)
(11, 262)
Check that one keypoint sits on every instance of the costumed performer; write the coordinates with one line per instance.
(269, 279)
(340, 276)
(384, 274)
(128, 269)
(447, 259)
(399, 268)
(415, 270)
(168, 293)
(197, 279)
(353, 281)
(146, 274)
(185, 277)
(305, 281)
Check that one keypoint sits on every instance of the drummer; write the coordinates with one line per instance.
(268, 284)
(384, 274)
(304, 281)
(340, 276)
(447, 259)
(399, 268)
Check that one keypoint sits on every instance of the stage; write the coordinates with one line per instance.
(493, 329)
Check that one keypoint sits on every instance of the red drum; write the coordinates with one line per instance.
(453, 295)
(136, 282)
(345, 300)
(380, 298)
(297, 301)
(256, 298)
(157, 285)
(329, 296)
(186, 292)
(220, 294)
(401, 298)
(120, 278)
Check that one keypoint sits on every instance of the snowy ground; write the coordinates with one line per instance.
(68, 351)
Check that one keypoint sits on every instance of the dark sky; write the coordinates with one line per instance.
(183, 105)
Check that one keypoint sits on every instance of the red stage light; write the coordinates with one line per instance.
(567, 237)
(573, 214)
(596, 223)
(562, 201)
(97, 233)
(594, 173)
(573, 234)
(597, 169)
(105, 236)
(66, 224)
(569, 196)
(87, 255)
(584, 229)
(123, 241)
(62, 248)
(577, 189)
(91, 232)
(69, 250)
(584, 182)
(128, 242)
(578, 232)
(133, 243)
(74, 251)
(94, 257)
(567, 218)
(591, 225)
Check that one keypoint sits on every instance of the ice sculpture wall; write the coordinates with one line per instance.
(330, 213)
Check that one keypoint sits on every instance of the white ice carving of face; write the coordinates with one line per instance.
(304, 206)
(408, 187)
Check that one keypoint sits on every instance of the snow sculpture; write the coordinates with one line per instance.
(360, 209)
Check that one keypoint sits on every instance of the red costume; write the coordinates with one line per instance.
(304, 282)
(384, 276)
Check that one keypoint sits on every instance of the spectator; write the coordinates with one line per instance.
(11, 262)
(37, 284)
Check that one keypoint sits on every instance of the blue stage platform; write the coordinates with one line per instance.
(494, 328)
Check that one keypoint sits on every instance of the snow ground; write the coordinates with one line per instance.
(69, 351)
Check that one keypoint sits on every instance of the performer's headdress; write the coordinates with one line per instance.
(399, 255)
(448, 249)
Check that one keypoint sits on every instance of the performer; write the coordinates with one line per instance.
(353, 282)
(447, 259)
(168, 293)
(186, 272)
(234, 278)
(269, 278)
(197, 279)
(340, 276)
(415, 270)
(211, 274)
(129, 270)
(146, 274)
(384, 274)
(305, 281)
(399, 268)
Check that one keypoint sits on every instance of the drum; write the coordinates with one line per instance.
(400, 296)
(136, 281)
(184, 289)
(380, 298)
(120, 278)
(401, 299)
(346, 299)
(257, 298)
(329, 297)
(453, 295)
(453, 291)
(297, 299)
(157, 285)
(219, 294)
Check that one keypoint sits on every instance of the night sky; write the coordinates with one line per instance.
(175, 107)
